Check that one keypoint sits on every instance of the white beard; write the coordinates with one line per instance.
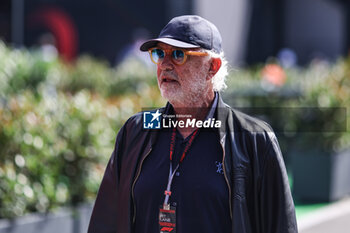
(192, 97)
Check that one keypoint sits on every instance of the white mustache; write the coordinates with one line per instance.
(170, 75)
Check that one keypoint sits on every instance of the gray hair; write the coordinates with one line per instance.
(219, 78)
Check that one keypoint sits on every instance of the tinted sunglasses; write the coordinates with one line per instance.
(178, 56)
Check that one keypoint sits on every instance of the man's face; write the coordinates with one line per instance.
(186, 83)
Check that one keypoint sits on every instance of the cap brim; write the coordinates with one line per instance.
(173, 42)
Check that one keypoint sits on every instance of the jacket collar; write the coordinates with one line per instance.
(222, 114)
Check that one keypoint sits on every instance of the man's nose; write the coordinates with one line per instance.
(166, 63)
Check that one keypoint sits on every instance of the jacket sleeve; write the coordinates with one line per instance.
(276, 203)
(103, 218)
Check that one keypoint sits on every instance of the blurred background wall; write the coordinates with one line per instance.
(253, 30)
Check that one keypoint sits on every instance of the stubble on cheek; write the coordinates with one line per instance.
(197, 86)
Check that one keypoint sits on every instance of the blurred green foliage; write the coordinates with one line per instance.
(309, 112)
(96, 76)
(58, 121)
(51, 148)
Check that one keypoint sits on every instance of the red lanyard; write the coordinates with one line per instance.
(172, 144)
(167, 192)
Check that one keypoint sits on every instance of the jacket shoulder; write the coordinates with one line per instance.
(257, 135)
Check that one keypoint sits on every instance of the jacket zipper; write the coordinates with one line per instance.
(225, 175)
(133, 185)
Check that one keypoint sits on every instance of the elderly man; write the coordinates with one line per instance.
(225, 175)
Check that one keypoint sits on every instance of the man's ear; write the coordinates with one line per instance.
(214, 67)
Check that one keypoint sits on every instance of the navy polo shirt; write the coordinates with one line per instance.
(199, 190)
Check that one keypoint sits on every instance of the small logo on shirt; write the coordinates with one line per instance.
(219, 167)
(151, 120)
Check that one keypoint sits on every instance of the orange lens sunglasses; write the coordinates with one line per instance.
(178, 56)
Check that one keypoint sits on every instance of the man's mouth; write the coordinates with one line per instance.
(168, 80)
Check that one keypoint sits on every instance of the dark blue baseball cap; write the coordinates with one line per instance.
(188, 31)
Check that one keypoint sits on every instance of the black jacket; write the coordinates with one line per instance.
(260, 197)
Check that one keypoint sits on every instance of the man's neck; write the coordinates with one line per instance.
(198, 111)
